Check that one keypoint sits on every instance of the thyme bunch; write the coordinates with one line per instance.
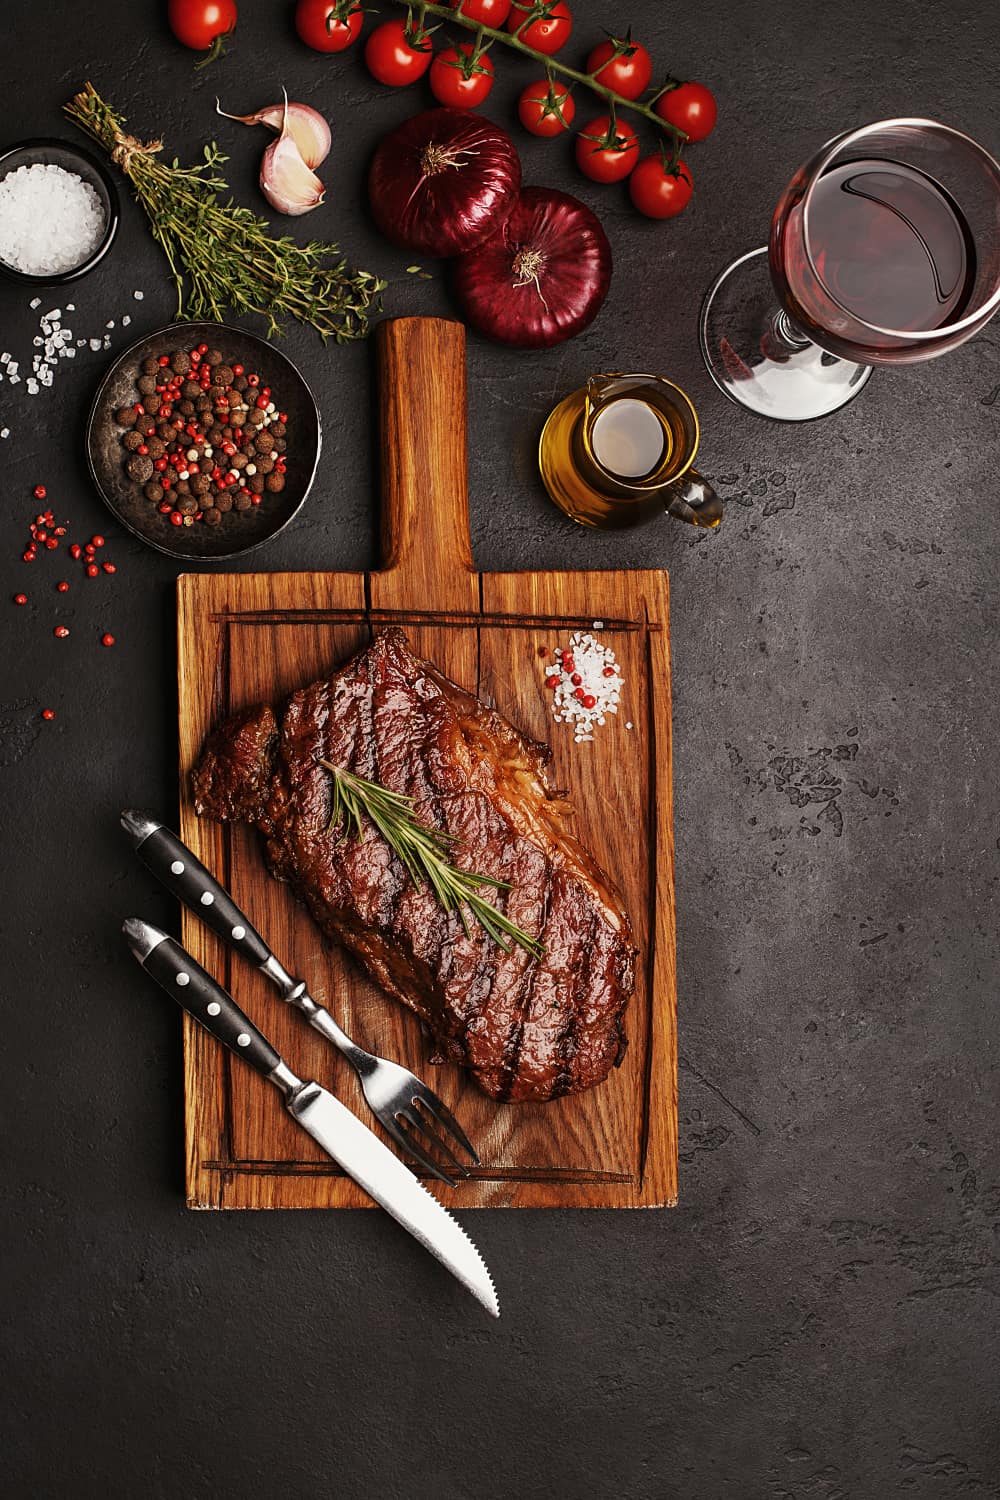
(221, 255)
(423, 852)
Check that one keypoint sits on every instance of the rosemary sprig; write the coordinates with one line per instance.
(424, 853)
(221, 255)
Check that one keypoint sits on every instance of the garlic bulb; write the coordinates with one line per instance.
(288, 183)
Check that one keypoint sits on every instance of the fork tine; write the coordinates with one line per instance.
(444, 1116)
(408, 1144)
(436, 1141)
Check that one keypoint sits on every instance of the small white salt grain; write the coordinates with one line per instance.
(32, 387)
(110, 324)
(95, 345)
(4, 432)
(138, 296)
(126, 321)
(35, 302)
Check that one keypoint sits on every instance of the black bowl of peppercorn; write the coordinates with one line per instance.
(203, 440)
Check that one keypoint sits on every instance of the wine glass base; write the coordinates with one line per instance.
(741, 331)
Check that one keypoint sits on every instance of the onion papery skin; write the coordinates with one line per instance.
(444, 182)
(551, 236)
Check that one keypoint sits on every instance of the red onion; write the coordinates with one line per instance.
(542, 278)
(444, 181)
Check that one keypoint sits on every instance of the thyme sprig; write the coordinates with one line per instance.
(423, 851)
(221, 255)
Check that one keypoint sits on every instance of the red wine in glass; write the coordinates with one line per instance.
(884, 250)
(885, 245)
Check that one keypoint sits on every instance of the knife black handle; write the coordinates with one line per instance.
(199, 994)
(185, 875)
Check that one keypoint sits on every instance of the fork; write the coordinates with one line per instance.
(401, 1102)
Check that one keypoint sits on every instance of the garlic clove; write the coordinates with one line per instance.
(306, 125)
(288, 184)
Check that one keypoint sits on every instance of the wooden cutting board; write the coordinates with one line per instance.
(247, 637)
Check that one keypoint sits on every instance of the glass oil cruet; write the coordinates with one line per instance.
(620, 450)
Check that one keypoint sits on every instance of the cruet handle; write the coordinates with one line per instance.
(691, 498)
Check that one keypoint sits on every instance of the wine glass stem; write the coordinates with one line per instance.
(784, 336)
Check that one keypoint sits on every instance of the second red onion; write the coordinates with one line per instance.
(542, 277)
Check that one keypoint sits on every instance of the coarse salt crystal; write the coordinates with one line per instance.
(4, 432)
(138, 296)
(95, 344)
(51, 221)
(35, 302)
(126, 321)
(590, 661)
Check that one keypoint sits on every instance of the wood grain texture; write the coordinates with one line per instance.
(247, 637)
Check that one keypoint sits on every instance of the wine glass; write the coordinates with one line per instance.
(884, 250)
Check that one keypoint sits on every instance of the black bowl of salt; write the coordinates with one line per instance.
(58, 212)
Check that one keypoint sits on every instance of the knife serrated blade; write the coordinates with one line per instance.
(372, 1165)
(331, 1124)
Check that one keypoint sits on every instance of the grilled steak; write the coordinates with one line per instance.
(526, 1028)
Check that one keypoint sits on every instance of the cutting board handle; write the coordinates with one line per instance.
(426, 551)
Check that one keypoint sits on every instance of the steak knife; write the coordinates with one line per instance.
(340, 1133)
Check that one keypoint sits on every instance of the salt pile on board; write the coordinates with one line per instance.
(586, 684)
(50, 220)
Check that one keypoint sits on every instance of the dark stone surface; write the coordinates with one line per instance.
(818, 1318)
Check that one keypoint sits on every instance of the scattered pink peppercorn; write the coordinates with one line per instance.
(63, 586)
(61, 632)
(48, 713)
(20, 598)
(92, 570)
(109, 567)
(107, 639)
(39, 492)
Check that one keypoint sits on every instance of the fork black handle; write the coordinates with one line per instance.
(183, 873)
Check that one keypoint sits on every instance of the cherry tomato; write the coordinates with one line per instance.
(391, 56)
(539, 110)
(488, 12)
(329, 27)
(448, 80)
(199, 23)
(657, 193)
(691, 107)
(622, 65)
(608, 162)
(548, 33)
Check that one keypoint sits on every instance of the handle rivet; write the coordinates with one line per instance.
(243, 1040)
(183, 979)
(214, 1007)
(177, 868)
(239, 932)
(207, 898)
